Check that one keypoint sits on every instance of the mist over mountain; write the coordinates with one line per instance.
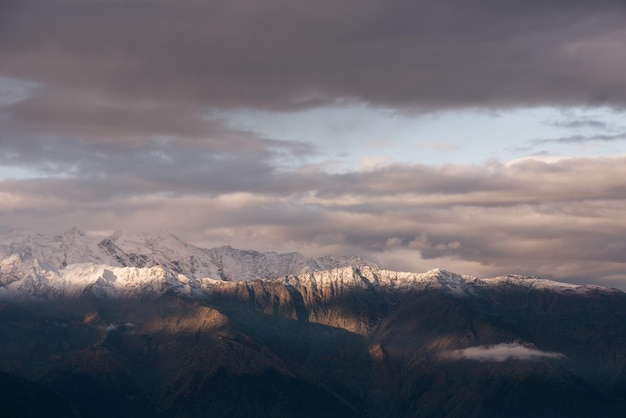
(150, 326)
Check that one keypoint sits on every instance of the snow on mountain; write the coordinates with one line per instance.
(73, 264)
(224, 263)
(162, 249)
(97, 280)
(52, 253)
(66, 265)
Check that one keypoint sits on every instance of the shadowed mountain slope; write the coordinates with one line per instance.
(88, 339)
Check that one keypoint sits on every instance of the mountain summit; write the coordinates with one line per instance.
(37, 265)
(41, 266)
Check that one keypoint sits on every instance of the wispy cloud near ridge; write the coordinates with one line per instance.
(499, 353)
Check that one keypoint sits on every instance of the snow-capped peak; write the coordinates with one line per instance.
(74, 262)
(52, 262)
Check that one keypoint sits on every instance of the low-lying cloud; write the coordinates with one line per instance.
(499, 353)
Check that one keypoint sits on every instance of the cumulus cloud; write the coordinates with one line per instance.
(499, 353)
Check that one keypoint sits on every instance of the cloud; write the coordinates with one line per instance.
(580, 124)
(499, 353)
(275, 54)
(152, 147)
(577, 139)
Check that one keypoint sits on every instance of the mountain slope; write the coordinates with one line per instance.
(123, 330)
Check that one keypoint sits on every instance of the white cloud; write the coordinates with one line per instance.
(499, 353)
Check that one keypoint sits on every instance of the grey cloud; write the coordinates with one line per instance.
(146, 170)
(178, 166)
(576, 139)
(100, 121)
(500, 353)
(126, 88)
(131, 123)
(580, 123)
(287, 55)
(521, 182)
(159, 147)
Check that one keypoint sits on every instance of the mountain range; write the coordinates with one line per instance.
(146, 325)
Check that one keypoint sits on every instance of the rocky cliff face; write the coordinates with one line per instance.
(138, 337)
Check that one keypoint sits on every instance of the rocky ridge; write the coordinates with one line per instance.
(149, 326)
(37, 266)
(40, 266)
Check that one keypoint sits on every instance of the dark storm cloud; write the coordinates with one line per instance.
(284, 54)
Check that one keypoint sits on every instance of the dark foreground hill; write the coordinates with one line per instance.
(331, 344)
(148, 326)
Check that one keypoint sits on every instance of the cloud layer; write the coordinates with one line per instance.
(110, 108)
(274, 53)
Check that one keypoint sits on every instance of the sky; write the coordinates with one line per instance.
(483, 137)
